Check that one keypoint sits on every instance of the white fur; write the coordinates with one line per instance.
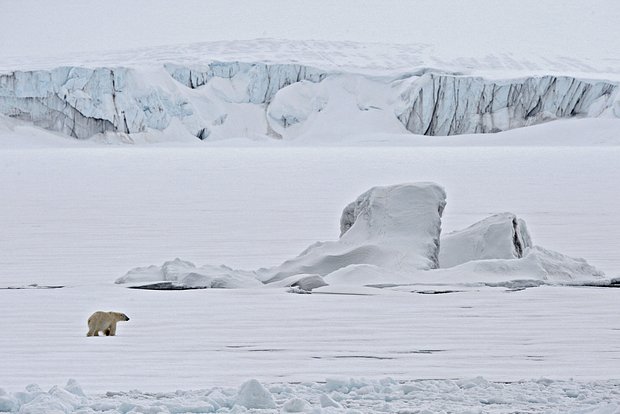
(105, 322)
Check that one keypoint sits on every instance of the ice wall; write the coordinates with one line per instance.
(231, 99)
(452, 105)
(82, 102)
(260, 81)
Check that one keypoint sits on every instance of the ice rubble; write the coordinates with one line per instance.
(237, 99)
(335, 395)
(187, 274)
(252, 394)
(391, 236)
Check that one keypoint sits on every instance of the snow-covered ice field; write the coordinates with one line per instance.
(259, 205)
(80, 216)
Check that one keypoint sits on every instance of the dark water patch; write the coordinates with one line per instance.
(383, 285)
(343, 293)
(614, 283)
(422, 351)
(34, 286)
(361, 357)
(517, 285)
(165, 286)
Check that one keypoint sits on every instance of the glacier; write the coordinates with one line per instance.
(221, 100)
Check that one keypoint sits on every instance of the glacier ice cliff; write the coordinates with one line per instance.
(82, 102)
(236, 99)
(261, 81)
(451, 105)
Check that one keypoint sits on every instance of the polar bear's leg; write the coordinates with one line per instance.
(91, 327)
(112, 329)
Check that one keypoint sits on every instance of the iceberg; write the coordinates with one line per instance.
(390, 236)
(395, 227)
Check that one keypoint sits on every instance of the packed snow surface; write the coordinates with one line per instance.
(67, 212)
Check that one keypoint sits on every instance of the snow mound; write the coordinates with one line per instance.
(253, 395)
(297, 405)
(301, 281)
(501, 236)
(498, 250)
(537, 264)
(389, 237)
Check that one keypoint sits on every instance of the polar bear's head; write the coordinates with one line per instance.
(119, 316)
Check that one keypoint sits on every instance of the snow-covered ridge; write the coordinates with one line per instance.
(222, 100)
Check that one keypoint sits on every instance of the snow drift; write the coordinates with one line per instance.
(223, 100)
(390, 236)
(537, 266)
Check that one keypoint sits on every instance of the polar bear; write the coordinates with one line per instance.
(104, 321)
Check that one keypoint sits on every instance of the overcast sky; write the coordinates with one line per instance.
(578, 28)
